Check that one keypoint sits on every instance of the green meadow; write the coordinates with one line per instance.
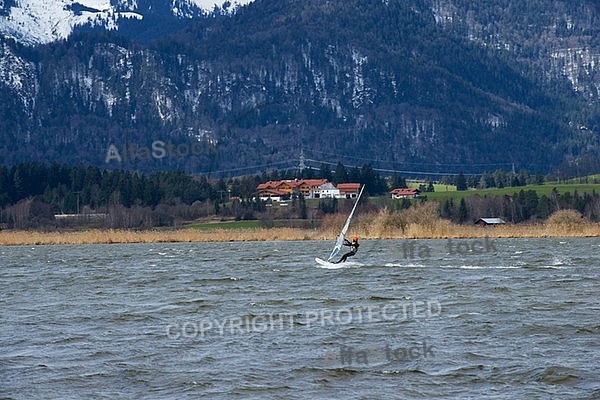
(545, 189)
(436, 186)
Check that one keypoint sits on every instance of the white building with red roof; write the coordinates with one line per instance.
(310, 189)
(348, 190)
(405, 193)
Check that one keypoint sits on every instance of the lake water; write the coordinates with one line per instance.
(503, 319)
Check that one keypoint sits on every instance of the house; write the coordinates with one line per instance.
(269, 185)
(310, 188)
(285, 186)
(272, 194)
(405, 193)
(490, 221)
(275, 190)
(348, 190)
(328, 190)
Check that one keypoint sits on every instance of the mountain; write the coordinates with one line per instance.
(559, 38)
(43, 21)
(422, 86)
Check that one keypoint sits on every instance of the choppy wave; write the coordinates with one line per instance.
(126, 321)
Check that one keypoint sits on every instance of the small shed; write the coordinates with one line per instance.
(490, 221)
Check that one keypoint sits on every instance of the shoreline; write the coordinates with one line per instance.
(437, 231)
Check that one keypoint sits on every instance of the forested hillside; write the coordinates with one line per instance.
(415, 87)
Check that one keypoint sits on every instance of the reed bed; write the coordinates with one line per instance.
(384, 224)
(423, 223)
(108, 236)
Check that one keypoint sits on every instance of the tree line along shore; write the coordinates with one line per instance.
(124, 206)
(381, 225)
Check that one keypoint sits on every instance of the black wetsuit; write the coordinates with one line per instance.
(353, 249)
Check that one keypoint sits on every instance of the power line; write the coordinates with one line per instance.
(412, 163)
(256, 167)
(291, 164)
(398, 171)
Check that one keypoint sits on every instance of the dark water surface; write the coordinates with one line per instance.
(506, 319)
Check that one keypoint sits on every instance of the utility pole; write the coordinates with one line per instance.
(301, 166)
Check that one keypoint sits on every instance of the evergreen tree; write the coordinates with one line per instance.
(430, 187)
(472, 181)
(461, 182)
(341, 175)
(354, 175)
(397, 181)
(447, 208)
(325, 172)
(373, 182)
(463, 212)
(302, 204)
(487, 180)
(5, 188)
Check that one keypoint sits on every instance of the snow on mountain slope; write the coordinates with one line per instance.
(210, 4)
(42, 21)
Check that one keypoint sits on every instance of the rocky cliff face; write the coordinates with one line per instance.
(555, 38)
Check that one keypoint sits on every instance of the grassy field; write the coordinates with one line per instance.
(443, 192)
(436, 186)
(584, 179)
(540, 189)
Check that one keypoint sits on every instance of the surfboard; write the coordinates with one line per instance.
(327, 264)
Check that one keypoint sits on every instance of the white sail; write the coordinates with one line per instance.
(340, 239)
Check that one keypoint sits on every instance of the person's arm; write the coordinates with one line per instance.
(347, 242)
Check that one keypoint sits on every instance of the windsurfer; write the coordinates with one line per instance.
(353, 249)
